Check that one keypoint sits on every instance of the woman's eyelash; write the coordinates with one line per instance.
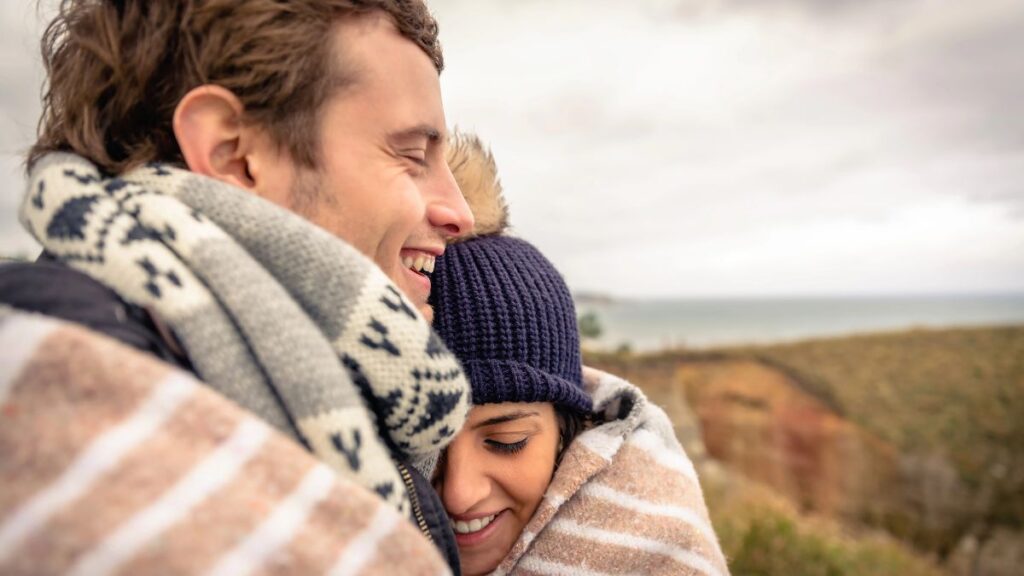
(507, 447)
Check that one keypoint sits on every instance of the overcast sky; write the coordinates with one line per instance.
(745, 147)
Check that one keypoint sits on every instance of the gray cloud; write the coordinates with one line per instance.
(744, 144)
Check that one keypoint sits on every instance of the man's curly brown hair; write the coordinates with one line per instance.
(116, 70)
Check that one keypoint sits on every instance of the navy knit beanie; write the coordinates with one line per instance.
(507, 315)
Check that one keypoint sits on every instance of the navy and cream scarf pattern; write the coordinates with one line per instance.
(275, 313)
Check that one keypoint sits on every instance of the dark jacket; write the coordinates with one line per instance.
(48, 287)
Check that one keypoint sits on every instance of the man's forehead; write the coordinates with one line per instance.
(365, 22)
(371, 55)
(388, 84)
(366, 40)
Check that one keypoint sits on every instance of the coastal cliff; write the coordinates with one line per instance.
(916, 438)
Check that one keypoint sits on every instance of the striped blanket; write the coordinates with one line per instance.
(112, 462)
(624, 500)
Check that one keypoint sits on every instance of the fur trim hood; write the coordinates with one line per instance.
(477, 176)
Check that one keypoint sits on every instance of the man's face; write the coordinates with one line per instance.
(383, 184)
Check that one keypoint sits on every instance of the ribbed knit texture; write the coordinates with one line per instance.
(508, 316)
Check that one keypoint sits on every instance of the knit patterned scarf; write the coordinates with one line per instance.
(274, 313)
(624, 500)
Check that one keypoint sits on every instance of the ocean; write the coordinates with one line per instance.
(701, 323)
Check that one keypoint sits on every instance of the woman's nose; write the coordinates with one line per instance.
(465, 482)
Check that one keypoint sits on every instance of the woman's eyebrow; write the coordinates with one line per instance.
(505, 418)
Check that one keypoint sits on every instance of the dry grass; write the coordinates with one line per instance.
(764, 535)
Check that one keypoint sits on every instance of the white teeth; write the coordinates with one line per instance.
(422, 263)
(475, 525)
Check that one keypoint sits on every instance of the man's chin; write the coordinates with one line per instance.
(415, 290)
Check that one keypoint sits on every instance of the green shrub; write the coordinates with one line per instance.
(763, 536)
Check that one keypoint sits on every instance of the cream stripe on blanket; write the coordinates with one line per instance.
(113, 462)
(625, 499)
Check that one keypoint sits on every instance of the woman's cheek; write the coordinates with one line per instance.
(536, 469)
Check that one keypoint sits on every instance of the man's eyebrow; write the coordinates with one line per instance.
(420, 130)
(511, 416)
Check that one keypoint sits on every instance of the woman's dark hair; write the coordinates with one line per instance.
(570, 424)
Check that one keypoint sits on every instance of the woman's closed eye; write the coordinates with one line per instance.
(506, 447)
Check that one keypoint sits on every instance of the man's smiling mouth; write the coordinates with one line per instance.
(422, 264)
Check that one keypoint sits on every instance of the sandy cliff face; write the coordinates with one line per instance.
(757, 420)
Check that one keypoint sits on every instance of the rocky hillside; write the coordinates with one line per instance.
(917, 435)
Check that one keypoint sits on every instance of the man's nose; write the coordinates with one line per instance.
(447, 209)
(465, 483)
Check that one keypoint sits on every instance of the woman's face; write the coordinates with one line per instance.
(493, 477)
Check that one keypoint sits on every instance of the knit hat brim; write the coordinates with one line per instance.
(509, 381)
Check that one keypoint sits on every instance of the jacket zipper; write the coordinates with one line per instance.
(414, 500)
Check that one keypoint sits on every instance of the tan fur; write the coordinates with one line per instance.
(477, 175)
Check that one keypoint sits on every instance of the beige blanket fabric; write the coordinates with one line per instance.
(625, 499)
(112, 462)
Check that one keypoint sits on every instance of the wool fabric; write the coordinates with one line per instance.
(626, 499)
(115, 463)
(278, 315)
(508, 316)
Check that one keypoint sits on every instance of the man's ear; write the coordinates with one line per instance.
(212, 137)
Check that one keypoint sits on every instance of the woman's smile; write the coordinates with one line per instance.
(493, 477)
(477, 531)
